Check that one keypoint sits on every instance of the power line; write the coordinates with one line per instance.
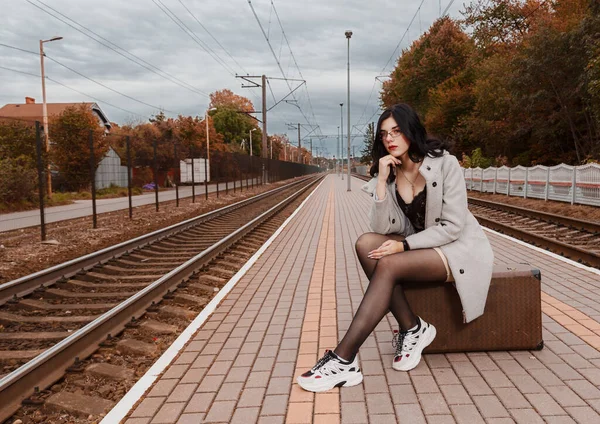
(138, 61)
(18, 48)
(192, 35)
(73, 89)
(212, 36)
(110, 88)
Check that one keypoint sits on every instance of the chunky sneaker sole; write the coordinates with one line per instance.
(331, 372)
(409, 359)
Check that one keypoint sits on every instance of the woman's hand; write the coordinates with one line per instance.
(385, 164)
(387, 248)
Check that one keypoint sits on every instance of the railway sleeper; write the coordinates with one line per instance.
(190, 299)
(7, 318)
(103, 285)
(146, 263)
(170, 311)
(60, 293)
(32, 304)
(102, 276)
(152, 326)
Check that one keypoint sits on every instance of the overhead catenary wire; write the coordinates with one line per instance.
(117, 49)
(190, 33)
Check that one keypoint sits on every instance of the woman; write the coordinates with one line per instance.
(423, 232)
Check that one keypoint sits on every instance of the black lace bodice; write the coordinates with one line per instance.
(415, 210)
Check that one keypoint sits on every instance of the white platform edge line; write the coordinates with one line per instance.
(546, 252)
(121, 409)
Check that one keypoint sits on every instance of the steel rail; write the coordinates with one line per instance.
(50, 366)
(27, 284)
(590, 226)
(564, 249)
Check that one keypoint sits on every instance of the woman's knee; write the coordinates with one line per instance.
(391, 266)
(367, 242)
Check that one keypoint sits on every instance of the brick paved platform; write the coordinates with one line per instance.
(300, 295)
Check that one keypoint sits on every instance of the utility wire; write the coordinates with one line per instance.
(212, 36)
(109, 88)
(165, 9)
(73, 89)
(108, 44)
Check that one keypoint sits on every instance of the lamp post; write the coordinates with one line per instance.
(207, 159)
(45, 113)
(348, 35)
(253, 129)
(337, 169)
(341, 146)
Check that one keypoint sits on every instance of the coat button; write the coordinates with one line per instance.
(429, 168)
(371, 194)
(462, 271)
(434, 184)
(437, 220)
(393, 221)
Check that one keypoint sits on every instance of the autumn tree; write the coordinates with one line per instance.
(18, 173)
(70, 136)
(232, 119)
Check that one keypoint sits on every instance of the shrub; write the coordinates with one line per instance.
(18, 182)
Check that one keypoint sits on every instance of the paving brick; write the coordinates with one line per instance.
(490, 407)
(440, 419)
(584, 389)
(466, 414)
(220, 411)
(148, 407)
(433, 404)
(456, 395)
(327, 403)
(375, 384)
(163, 387)
(411, 413)
(168, 413)
(511, 398)
(182, 393)
(544, 404)
(476, 386)
(526, 416)
(425, 384)
(583, 414)
(565, 396)
(445, 376)
(200, 402)
(274, 405)
(299, 413)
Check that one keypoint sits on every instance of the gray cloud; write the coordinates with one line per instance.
(315, 31)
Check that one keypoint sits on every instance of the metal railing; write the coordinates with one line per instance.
(564, 183)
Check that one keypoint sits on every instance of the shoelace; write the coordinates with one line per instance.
(398, 341)
(326, 358)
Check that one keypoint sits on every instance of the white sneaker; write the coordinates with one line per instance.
(410, 344)
(329, 372)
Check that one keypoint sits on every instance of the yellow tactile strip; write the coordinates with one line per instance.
(319, 331)
(573, 320)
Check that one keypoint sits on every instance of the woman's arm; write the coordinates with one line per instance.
(454, 210)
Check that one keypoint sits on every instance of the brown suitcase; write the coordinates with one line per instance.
(512, 319)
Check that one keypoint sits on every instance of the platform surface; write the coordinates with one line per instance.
(300, 296)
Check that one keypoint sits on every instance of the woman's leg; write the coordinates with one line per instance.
(398, 305)
(423, 265)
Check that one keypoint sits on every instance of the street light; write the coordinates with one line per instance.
(341, 145)
(207, 159)
(253, 129)
(45, 112)
(348, 35)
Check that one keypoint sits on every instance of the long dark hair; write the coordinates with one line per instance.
(408, 121)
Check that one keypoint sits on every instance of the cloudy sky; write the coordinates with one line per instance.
(150, 55)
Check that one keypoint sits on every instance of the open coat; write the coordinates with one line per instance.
(449, 225)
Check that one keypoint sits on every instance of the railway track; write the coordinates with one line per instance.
(573, 238)
(104, 317)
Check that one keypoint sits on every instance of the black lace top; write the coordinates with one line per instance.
(415, 210)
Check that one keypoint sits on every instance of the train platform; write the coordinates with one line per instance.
(237, 362)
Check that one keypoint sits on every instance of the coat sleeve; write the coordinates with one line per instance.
(454, 210)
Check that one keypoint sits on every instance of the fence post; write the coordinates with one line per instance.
(206, 177)
(574, 185)
(193, 178)
(508, 183)
(175, 176)
(129, 167)
(495, 179)
(481, 182)
(41, 180)
(526, 182)
(155, 177)
(471, 179)
(93, 178)
(547, 184)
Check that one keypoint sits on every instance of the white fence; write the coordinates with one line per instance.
(565, 183)
(110, 171)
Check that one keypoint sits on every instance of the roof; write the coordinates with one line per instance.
(33, 111)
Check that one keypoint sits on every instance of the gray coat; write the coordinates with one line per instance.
(449, 225)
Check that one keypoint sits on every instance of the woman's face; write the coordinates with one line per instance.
(393, 140)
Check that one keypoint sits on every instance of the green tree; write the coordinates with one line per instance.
(369, 139)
